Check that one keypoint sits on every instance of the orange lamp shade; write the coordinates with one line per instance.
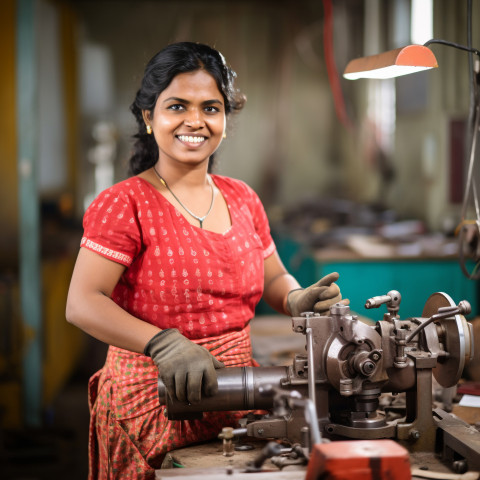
(401, 61)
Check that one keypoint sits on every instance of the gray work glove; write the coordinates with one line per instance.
(317, 298)
(183, 366)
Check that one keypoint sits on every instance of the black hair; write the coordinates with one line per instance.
(181, 57)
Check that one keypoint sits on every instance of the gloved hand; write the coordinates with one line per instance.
(183, 366)
(317, 298)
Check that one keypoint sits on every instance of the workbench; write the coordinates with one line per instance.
(207, 461)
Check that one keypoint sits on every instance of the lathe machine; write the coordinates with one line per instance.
(333, 391)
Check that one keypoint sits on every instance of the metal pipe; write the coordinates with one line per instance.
(238, 389)
(29, 211)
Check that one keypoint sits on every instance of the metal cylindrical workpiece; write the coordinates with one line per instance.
(238, 389)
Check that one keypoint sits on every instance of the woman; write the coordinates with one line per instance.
(172, 264)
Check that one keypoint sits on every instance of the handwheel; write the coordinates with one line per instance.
(457, 339)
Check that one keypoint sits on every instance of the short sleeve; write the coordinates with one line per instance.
(111, 226)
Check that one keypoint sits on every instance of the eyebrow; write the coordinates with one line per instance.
(214, 101)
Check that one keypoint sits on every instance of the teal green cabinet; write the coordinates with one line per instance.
(415, 278)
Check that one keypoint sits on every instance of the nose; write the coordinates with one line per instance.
(194, 119)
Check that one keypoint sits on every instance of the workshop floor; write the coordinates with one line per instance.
(59, 450)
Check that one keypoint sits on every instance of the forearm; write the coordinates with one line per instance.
(277, 289)
(100, 317)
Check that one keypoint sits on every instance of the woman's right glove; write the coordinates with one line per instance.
(317, 298)
(183, 366)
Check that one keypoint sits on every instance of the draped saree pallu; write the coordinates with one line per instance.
(129, 431)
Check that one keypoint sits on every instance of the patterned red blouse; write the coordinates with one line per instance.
(179, 275)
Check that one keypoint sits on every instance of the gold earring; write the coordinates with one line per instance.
(149, 129)
(225, 135)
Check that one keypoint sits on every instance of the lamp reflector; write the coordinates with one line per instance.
(394, 63)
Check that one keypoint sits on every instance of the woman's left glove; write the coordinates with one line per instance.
(317, 298)
(186, 369)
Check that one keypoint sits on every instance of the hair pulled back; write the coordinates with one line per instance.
(181, 57)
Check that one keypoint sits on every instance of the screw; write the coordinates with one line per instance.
(415, 434)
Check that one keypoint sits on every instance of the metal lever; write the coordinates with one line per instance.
(392, 299)
(463, 308)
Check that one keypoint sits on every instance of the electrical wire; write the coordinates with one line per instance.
(332, 72)
(452, 44)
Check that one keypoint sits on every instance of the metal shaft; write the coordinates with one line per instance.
(238, 389)
(311, 367)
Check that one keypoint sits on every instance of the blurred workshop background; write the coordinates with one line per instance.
(368, 178)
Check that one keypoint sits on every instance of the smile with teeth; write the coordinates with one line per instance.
(190, 139)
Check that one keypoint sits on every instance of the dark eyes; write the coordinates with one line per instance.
(212, 109)
(178, 107)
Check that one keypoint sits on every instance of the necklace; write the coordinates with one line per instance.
(196, 217)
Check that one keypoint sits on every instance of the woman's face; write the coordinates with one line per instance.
(188, 120)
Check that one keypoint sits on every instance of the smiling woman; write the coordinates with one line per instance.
(176, 59)
(173, 263)
(188, 121)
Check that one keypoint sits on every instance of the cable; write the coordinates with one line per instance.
(452, 44)
(332, 72)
